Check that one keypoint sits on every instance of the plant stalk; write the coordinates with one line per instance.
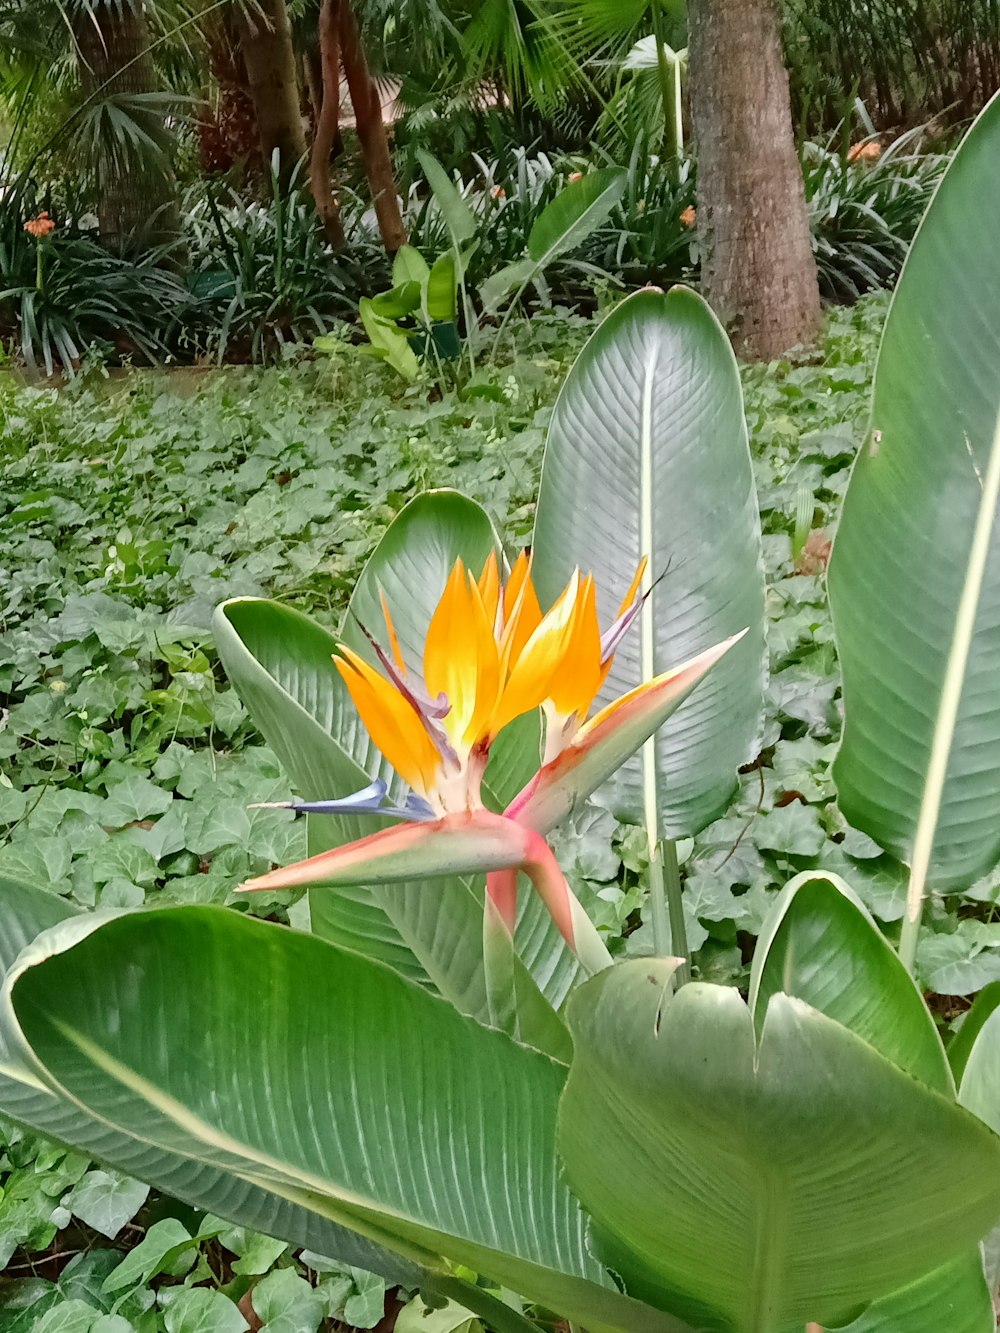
(675, 910)
(658, 909)
(662, 70)
(498, 969)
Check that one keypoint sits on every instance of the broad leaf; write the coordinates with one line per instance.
(821, 945)
(366, 1100)
(25, 912)
(647, 455)
(574, 213)
(409, 265)
(441, 290)
(458, 216)
(568, 219)
(387, 343)
(917, 622)
(735, 1176)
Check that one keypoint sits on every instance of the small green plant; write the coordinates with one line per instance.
(63, 295)
(427, 301)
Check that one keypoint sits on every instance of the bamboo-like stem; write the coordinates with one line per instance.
(675, 910)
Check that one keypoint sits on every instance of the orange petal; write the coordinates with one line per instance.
(461, 658)
(534, 671)
(522, 613)
(391, 721)
(489, 587)
(575, 684)
(629, 597)
(391, 631)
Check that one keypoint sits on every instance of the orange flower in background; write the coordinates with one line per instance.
(689, 217)
(40, 226)
(868, 151)
(575, 176)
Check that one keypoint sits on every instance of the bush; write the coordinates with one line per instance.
(864, 213)
(64, 295)
(263, 276)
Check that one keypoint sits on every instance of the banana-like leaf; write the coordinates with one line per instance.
(343, 1088)
(647, 455)
(961, 1044)
(568, 219)
(27, 911)
(979, 1090)
(281, 663)
(915, 572)
(458, 216)
(821, 945)
(736, 1178)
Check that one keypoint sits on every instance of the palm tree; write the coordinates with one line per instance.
(125, 114)
(758, 268)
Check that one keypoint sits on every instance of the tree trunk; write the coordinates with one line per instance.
(758, 269)
(371, 131)
(326, 102)
(136, 189)
(266, 42)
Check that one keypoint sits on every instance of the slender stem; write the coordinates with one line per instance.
(675, 910)
(666, 84)
(498, 969)
(658, 910)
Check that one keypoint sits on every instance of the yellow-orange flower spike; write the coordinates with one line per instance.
(490, 655)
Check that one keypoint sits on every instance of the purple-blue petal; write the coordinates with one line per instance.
(369, 801)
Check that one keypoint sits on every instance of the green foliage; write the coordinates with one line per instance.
(864, 214)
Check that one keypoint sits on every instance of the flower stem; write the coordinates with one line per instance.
(675, 910)
(498, 968)
(589, 947)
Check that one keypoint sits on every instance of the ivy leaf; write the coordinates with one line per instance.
(106, 1200)
(286, 1303)
(794, 830)
(201, 1310)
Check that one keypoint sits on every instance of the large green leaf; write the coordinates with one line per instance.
(568, 219)
(647, 455)
(757, 1184)
(573, 214)
(917, 623)
(458, 216)
(281, 663)
(343, 1087)
(820, 945)
(25, 912)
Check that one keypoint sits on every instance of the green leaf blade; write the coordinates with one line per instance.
(647, 455)
(910, 513)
